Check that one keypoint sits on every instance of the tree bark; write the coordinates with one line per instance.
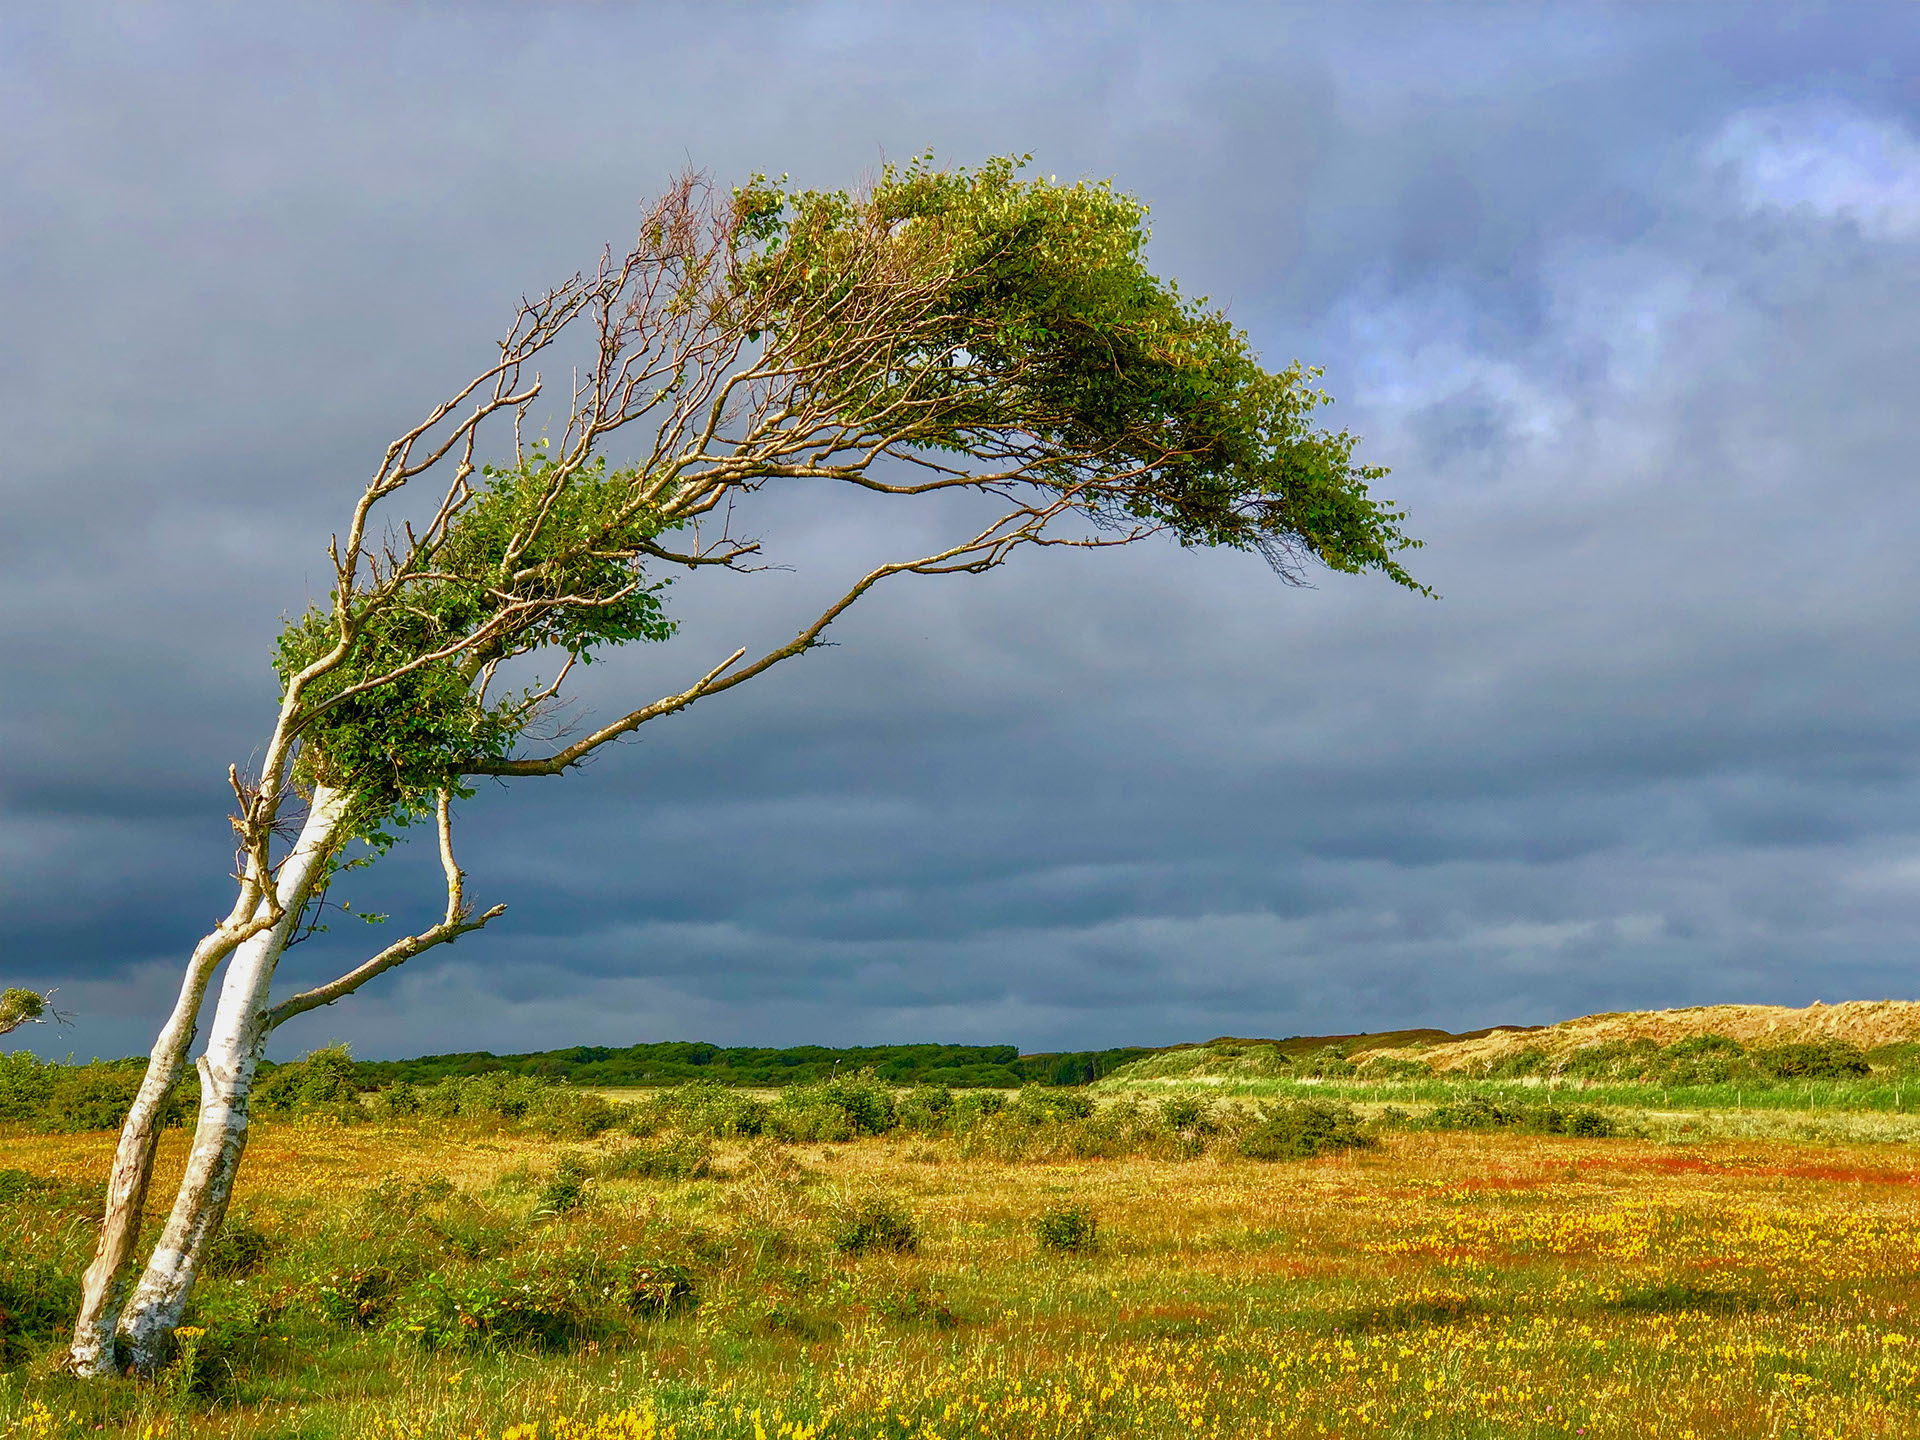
(104, 1288)
(235, 1042)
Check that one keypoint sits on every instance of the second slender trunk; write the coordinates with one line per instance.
(235, 1042)
(104, 1287)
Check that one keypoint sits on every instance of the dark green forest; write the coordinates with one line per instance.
(673, 1062)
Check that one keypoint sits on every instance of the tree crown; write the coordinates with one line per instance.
(944, 328)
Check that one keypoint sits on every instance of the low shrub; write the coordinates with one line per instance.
(877, 1222)
(682, 1157)
(354, 1296)
(1187, 1112)
(1477, 1112)
(496, 1306)
(658, 1289)
(239, 1246)
(573, 1114)
(701, 1107)
(916, 1305)
(399, 1101)
(321, 1083)
(55, 1098)
(1067, 1229)
(1327, 1063)
(837, 1109)
(1816, 1060)
(566, 1188)
(1037, 1105)
(496, 1095)
(37, 1302)
(1301, 1131)
(926, 1109)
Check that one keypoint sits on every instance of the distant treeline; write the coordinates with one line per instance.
(962, 1067)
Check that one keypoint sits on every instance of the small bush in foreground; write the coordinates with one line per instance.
(654, 1288)
(496, 1307)
(877, 1223)
(1067, 1229)
(566, 1188)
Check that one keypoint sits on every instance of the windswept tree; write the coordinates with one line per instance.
(942, 331)
(21, 1007)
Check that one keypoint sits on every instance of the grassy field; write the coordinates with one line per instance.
(446, 1278)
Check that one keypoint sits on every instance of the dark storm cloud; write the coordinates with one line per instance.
(1622, 295)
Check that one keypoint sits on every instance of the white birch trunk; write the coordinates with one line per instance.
(104, 1287)
(235, 1041)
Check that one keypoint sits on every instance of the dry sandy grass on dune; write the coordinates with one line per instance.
(1865, 1023)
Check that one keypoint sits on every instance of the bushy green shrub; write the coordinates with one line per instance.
(926, 1109)
(656, 1288)
(321, 1083)
(838, 1109)
(495, 1095)
(1478, 1112)
(1901, 1058)
(25, 1085)
(399, 1101)
(681, 1157)
(1037, 1105)
(877, 1222)
(1187, 1112)
(573, 1114)
(1705, 1060)
(239, 1246)
(1473, 1112)
(1814, 1060)
(1067, 1229)
(1302, 1130)
(496, 1306)
(566, 1188)
(1526, 1061)
(701, 1107)
(353, 1295)
(1588, 1122)
(1622, 1060)
(978, 1105)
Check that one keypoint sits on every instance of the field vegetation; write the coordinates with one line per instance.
(498, 1255)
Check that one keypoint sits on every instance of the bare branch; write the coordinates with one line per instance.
(457, 921)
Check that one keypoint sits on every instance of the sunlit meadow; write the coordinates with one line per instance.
(1435, 1284)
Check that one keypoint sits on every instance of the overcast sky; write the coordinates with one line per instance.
(1626, 297)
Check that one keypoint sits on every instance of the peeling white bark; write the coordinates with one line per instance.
(104, 1288)
(234, 1044)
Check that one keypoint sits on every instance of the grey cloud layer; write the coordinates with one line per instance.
(1624, 296)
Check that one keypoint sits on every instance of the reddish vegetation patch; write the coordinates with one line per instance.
(1810, 1170)
(1849, 1174)
(1503, 1182)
